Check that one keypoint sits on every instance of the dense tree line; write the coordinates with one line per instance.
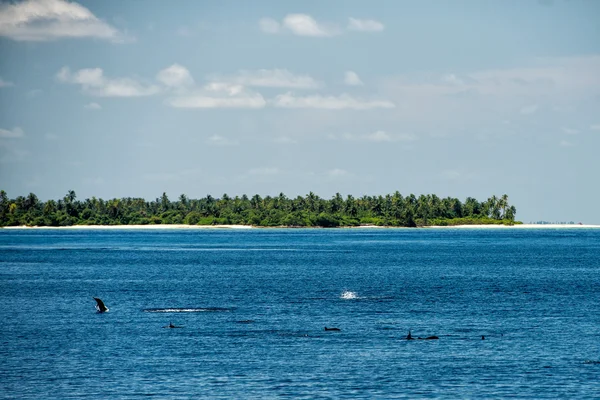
(310, 210)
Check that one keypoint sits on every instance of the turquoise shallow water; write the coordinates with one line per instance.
(253, 305)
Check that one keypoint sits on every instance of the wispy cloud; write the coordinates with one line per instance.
(219, 95)
(300, 25)
(4, 83)
(351, 79)
(570, 131)
(285, 140)
(306, 25)
(175, 76)
(337, 173)
(376, 137)
(566, 143)
(269, 25)
(11, 134)
(218, 140)
(273, 78)
(365, 25)
(34, 93)
(46, 20)
(264, 171)
(595, 127)
(92, 106)
(530, 109)
(450, 174)
(93, 81)
(341, 102)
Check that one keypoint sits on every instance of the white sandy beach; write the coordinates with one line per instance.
(195, 227)
(520, 226)
(132, 227)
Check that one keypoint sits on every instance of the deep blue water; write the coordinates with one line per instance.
(534, 294)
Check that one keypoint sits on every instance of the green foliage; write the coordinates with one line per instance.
(309, 211)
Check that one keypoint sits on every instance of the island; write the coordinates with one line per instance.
(391, 210)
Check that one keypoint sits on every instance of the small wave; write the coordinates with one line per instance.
(348, 295)
(184, 310)
(591, 362)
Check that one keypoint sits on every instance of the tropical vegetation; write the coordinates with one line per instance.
(308, 211)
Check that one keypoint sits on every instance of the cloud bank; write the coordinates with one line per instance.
(47, 20)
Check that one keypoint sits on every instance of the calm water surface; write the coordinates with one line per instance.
(253, 305)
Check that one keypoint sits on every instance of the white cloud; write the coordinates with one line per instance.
(11, 134)
(274, 78)
(340, 102)
(93, 81)
(531, 109)
(269, 25)
(92, 106)
(45, 20)
(452, 79)
(298, 24)
(305, 25)
(595, 127)
(219, 95)
(4, 83)
(570, 131)
(365, 25)
(217, 140)
(566, 143)
(175, 76)
(351, 79)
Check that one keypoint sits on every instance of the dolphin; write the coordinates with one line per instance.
(100, 305)
(332, 329)
(172, 326)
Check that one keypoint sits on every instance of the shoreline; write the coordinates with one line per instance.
(244, 227)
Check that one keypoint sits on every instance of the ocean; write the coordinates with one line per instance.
(253, 305)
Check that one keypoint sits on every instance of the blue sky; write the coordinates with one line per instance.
(457, 98)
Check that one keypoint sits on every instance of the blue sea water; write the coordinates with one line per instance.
(254, 303)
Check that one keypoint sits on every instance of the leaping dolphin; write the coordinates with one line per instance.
(100, 305)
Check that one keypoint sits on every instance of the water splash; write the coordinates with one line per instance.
(348, 295)
(183, 310)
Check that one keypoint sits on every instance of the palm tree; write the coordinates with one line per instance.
(503, 204)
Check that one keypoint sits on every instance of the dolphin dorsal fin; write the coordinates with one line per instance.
(100, 305)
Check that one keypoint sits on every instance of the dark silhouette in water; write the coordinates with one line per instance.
(100, 305)
(332, 329)
(172, 326)
(429, 338)
(410, 337)
(482, 337)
